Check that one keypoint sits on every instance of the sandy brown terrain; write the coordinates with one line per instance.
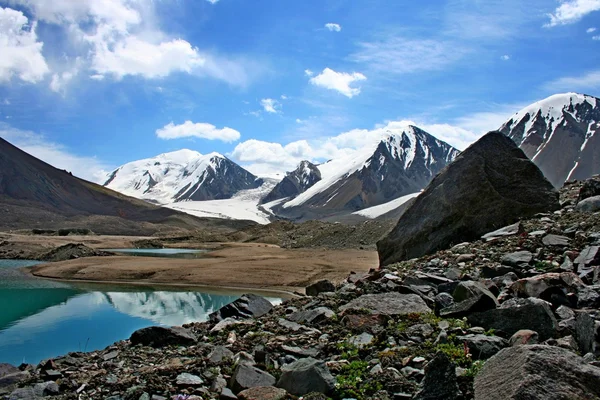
(233, 265)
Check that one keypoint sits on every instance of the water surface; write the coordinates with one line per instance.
(169, 253)
(41, 319)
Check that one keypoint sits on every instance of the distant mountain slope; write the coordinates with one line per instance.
(401, 163)
(34, 194)
(295, 182)
(182, 175)
(561, 135)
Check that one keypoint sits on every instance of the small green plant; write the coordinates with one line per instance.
(474, 369)
(354, 381)
(457, 353)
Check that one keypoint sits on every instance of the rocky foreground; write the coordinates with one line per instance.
(514, 315)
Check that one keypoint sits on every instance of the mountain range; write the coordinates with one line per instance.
(377, 181)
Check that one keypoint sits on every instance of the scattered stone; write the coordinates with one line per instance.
(470, 197)
(589, 188)
(247, 376)
(509, 230)
(388, 304)
(300, 352)
(556, 240)
(219, 354)
(46, 389)
(110, 356)
(26, 393)
(247, 306)
(313, 316)
(186, 379)
(537, 372)
(305, 376)
(523, 337)
(362, 340)
(320, 287)
(585, 333)
(483, 347)
(588, 256)
(263, 393)
(518, 259)
(589, 205)
(516, 314)
(440, 380)
(546, 285)
(159, 336)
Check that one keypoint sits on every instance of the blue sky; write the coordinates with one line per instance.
(88, 85)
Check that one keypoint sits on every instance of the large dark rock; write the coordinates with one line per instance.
(305, 376)
(537, 372)
(439, 381)
(490, 185)
(590, 188)
(517, 314)
(320, 287)
(483, 347)
(295, 182)
(159, 336)
(247, 306)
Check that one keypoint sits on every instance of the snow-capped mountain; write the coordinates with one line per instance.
(295, 182)
(181, 175)
(402, 162)
(561, 135)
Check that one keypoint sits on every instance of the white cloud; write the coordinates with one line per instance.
(583, 83)
(333, 27)
(595, 37)
(590, 30)
(89, 168)
(123, 38)
(308, 72)
(61, 79)
(505, 57)
(199, 130)
(213, 1)
(339, 81)
(270, 105)
(21, 53)
(572, 11)
(283, 97)
(397, 55)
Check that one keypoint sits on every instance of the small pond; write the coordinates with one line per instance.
(40, 319)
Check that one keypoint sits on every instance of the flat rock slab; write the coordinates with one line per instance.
(388, 304)
(509, 230)
(186, 379)
(246, 376)
(263, 393)
(556, 240)
(305, 376)
(537, 372)
(159, 336)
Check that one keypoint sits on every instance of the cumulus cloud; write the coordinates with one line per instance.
(333, 27)
(595, 37)
(339, 81)
(505, 57)
(200, 130)
(572, 11)
(270, 105)
(21, 53)
(308, 72)
(123, 38)
(59, 156)
(590, 30)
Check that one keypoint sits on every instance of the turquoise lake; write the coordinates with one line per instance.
(41, 319)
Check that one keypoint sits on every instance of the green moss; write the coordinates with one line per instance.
(353, 381)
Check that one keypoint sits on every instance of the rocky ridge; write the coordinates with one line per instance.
(442, 326)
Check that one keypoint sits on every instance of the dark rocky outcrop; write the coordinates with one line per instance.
(305, 376)
(158, 336)
(247, 306)
(490, 185)
(320, 287)
(246, 376)
(440, 380)
(537, 372)
(71, 251)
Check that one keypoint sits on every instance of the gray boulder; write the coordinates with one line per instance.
(537, 372)
(388, 304)
(246, 376)
(160, 336)
(590, 205)
(585, 333)
(490, 185)
(320, 287)
(247, 306)
(519, 259)
(305, 376)
(483, 347)
(312, 316)
(439, 381)
(517, 314)
(590, 188)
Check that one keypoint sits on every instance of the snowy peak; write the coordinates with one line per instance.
(402, 162)
(559, 135)
(295, 182)
(181, 175)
